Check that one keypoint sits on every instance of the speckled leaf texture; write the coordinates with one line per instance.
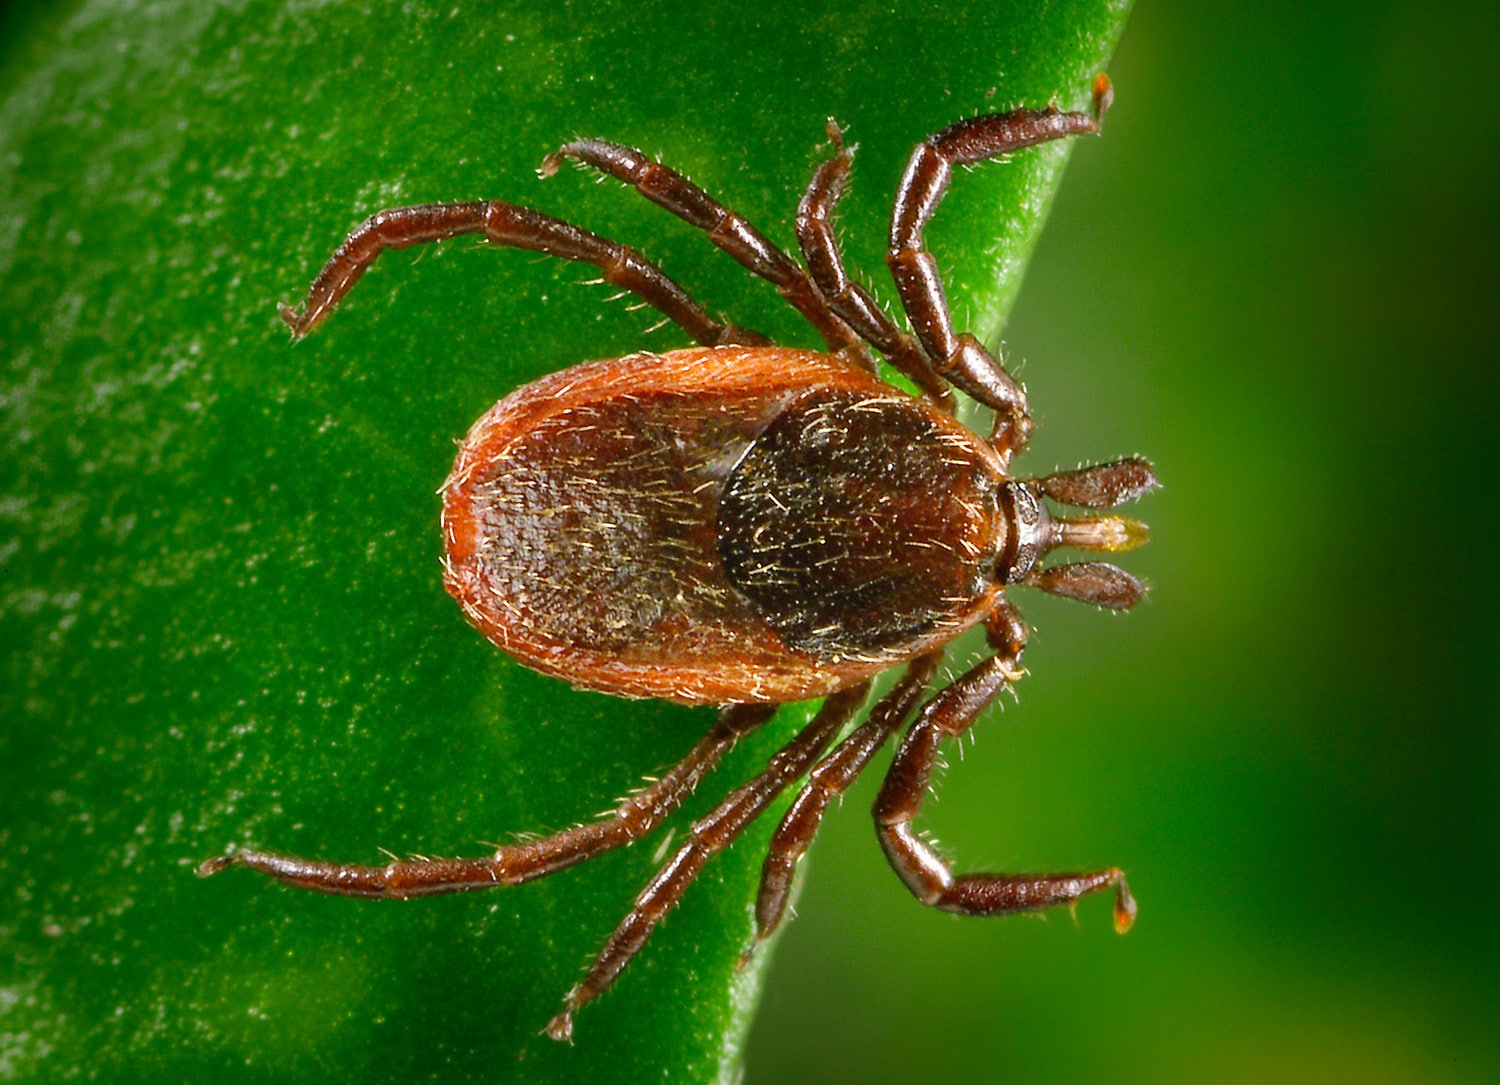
(221, 612)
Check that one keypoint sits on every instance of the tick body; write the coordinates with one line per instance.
(722, 525)
(745, 525)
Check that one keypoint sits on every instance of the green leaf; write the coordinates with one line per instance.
(221, 609)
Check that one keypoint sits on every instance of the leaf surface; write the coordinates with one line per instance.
(221, 607)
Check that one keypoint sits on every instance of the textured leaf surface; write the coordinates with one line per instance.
(221, 613)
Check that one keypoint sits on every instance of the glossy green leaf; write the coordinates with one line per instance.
(221, 610)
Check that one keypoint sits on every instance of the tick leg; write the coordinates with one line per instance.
(829, 779)
(512, 864)
(709, 835)
(516, 227)
(849, 299)
(962, 359)
(928, 875)
(728, 230)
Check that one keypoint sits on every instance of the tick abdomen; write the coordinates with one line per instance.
(721, 525)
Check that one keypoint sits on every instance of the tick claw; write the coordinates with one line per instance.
(292, 317)
(1104, 96)
(209, 867)
(560, 1028)
(1124, 909)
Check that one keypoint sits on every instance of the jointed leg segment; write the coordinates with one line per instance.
(849, 299)
(513, 864)
(921, 868)
(709, 835)
(516, 227)
(961, 358)
(730, 231)
(829, 779)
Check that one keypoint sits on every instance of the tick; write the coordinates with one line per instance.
(744, 525)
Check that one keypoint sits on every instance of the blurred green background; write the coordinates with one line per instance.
(1275, 275)
(1272, 276)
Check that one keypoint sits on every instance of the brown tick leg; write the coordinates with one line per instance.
(850, 300)
(928, 875)
(829, 779)
(514, 863)
(962, 359)
(709, 835)
(516, 227)
(668, 189)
